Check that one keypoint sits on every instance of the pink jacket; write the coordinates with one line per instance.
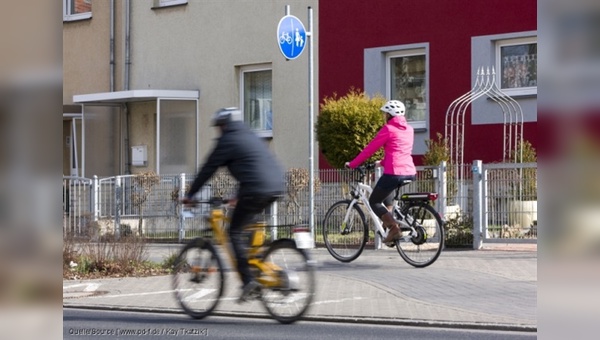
(396, 137)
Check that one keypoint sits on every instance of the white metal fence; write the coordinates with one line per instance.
(494, 203)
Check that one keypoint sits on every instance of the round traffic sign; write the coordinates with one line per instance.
(291, 36)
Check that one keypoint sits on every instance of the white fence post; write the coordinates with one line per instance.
(181, 231)
(118, 195)
(96, 198)
(441, 180)
(273, 220)
(477, 169)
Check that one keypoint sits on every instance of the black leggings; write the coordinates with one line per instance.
(246, 210)
(383, 193)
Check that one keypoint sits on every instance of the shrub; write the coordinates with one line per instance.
(459, 230)
(298, 179)
(525, 185)
(109, 257)
(142, 185)
(346, 125)
(438, 152)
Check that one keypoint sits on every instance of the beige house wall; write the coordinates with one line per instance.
(197, 46)
(86, 51)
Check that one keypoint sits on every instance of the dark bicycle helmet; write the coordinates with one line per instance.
(226, 115)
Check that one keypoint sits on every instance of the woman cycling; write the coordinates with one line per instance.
(396, 137)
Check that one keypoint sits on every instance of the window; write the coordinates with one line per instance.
(77, 10)
(406, 81)
(256, 97)
(516, 62)
(167, 3)
(177, 130)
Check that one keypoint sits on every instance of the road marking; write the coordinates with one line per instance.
(138, 294)
(199, 294)
(89, 287)
(338, 301)
(194, 296)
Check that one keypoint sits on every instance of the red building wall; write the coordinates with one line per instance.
(347, 27)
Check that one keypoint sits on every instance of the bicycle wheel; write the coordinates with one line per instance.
(288, 301)
(198, 278)
(422, 249)
(345, 241)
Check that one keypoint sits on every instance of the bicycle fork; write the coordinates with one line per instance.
(346, 227)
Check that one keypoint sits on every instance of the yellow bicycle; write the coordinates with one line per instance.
(282, 267)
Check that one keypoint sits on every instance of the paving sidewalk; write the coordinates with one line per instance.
(493, 288)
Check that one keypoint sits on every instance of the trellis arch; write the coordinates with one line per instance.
(485, 85)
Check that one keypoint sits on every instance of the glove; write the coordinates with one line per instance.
(188, 202)
(347, 165)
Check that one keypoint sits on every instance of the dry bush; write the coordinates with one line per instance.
(223, 184)
(70, 253)
(111, 256)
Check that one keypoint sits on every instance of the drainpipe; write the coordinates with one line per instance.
(112, 45)
(126, 141)
(127, 43)
(126, 85)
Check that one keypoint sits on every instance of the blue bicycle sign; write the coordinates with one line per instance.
(291, 36)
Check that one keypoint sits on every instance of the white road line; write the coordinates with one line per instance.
(135, 294)
(337, 301)
(89, 287)
(199, 294)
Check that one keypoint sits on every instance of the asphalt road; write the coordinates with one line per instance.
(99, 324)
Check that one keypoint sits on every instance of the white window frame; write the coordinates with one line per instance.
(168, 3)
(416, 124)
(520, 91)
(249, 69)
(68, 16)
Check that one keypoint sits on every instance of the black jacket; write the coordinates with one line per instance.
(249, 161)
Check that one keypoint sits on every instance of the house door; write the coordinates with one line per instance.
(73, 145)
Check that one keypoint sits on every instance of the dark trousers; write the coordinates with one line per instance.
(246, 210)
(383, 192)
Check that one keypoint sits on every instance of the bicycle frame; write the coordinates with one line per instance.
(361, 194)
(216, 217)
(364, 191)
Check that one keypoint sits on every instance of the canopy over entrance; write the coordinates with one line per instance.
(171, 103)
(121, 97)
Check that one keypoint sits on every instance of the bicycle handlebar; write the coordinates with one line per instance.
(366, 167)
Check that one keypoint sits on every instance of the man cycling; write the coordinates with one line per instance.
(260, 176)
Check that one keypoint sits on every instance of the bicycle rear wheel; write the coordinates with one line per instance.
(345, 240)
(289, 300)
(198, 278)
(422, 249)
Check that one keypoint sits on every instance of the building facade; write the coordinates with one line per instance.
(143, 78)
(427, 54)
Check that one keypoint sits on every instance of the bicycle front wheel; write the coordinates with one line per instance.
(198, 278)
(345, 238)
(288, 300)
(424, 246)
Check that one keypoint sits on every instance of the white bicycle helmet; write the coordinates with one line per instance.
(226, 115)
(394, 108)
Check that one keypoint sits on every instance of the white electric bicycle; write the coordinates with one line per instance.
(345, 229)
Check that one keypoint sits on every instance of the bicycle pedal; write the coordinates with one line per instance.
(196, 279)
(250, 297)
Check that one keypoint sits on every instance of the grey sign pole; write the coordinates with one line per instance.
(311, 96)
